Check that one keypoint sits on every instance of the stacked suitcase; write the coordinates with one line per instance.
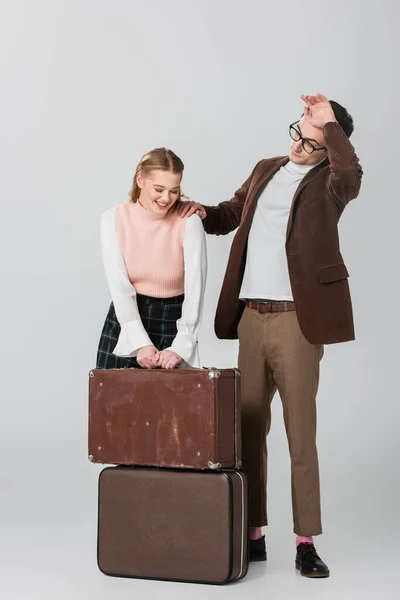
(175, 506)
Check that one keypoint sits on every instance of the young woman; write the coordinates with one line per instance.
(155, 264)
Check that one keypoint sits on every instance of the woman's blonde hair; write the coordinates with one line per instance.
(161, 159)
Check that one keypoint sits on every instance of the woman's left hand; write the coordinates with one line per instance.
(169, 360)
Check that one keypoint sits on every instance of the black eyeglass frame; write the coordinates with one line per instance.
(304, 140)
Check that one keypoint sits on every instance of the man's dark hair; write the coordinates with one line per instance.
(343, 118)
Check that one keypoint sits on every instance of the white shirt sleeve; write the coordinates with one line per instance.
(195, 260)
(133, 335)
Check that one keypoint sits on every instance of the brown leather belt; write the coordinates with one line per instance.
(267, 307)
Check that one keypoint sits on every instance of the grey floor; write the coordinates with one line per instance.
(48, 545)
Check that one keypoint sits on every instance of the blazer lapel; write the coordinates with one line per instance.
(258, 185)
(310, 175)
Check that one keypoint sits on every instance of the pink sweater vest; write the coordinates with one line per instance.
(152, 247)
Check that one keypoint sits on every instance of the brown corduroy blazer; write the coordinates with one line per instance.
(318, 275)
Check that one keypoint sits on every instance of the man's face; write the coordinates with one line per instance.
(310, 137)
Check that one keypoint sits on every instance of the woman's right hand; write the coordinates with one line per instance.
(147, 357)
(190, 207)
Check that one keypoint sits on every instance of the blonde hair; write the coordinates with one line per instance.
(161, 159)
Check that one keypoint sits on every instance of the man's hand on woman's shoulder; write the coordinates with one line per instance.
(189, 207)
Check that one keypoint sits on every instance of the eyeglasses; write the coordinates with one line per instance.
(307, 144)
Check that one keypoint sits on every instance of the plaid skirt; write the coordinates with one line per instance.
(159, 317)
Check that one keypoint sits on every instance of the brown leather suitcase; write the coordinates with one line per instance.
(173, 524)
(166, 418)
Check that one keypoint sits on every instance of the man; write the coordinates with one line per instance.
(285, 294)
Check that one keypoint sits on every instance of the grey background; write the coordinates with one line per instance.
(89, 86)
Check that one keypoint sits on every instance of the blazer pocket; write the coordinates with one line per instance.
(332, 273)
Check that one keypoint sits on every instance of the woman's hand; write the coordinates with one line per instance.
(147, 357)
(190, 207)
(168, 359)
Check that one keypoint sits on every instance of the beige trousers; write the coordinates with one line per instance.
(274, 355)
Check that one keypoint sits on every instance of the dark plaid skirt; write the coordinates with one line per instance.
(159, 317)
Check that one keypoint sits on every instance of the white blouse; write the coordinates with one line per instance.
(133, 335)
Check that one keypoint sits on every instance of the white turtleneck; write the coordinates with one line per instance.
(266, 274)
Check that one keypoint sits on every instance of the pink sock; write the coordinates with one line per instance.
(255, 533)
(301, 539)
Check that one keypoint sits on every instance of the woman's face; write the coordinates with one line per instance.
(159, 190)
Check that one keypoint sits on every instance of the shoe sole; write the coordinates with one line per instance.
(258, 557)
(312, 575)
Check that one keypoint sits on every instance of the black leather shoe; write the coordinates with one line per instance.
(257, 549)
(309, 563)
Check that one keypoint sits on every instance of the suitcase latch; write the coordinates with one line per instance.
(212, 465)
